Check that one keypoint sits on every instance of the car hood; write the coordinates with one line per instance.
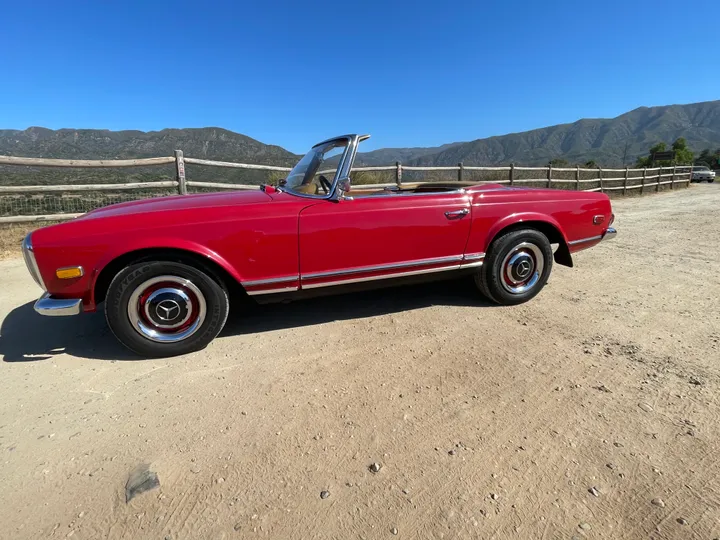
(181, 202)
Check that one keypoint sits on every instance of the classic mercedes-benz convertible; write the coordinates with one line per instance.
(165, 267)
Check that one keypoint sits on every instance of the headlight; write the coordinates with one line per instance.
(30, 261)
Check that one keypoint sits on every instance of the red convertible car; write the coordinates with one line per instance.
(165, 267)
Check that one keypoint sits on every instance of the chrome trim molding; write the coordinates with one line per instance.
(475, 264)
(384, 276)
(31, 263)
(394, 194)
(609, 234)
(585, 240)
(381, 267)
(283, 279)
(58, 307)
(272, 291)
(473, 256)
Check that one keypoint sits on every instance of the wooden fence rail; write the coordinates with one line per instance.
(677, 174)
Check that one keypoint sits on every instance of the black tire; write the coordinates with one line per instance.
(503, 278)
(193, 305)
(711, 180)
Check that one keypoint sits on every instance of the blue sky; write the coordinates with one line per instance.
(291, 72)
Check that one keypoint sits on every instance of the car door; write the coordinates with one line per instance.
(382, 236)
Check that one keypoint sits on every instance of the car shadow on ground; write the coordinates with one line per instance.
(26, 336)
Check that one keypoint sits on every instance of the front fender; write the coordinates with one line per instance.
(141, 244)
(164, 243)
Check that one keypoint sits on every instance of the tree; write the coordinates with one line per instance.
(683, 155)
(591, 164)
(709, 158)
(559, 162)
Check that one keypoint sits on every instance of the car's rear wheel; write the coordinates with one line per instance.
(161, 308)
(516, 267)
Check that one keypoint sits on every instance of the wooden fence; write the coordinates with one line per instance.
(578, 178)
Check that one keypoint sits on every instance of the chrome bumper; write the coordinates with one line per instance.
(609, 234)
(58, 307)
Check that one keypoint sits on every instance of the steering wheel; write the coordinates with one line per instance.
(325, 184)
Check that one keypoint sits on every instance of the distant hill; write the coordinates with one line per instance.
(610, 142)
(207, 143)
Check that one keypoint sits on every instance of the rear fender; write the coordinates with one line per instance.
(514, 221)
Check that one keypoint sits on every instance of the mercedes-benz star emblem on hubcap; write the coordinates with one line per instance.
(167, 310)
(523, 269)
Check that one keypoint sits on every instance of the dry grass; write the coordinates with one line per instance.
(11, 237)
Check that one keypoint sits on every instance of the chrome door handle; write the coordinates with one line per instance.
(457, 214)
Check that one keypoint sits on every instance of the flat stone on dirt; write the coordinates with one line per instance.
(140, 480)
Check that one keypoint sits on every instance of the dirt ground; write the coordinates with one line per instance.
(591, 412)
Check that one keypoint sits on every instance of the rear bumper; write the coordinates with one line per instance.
(58, 307)
(609, 234)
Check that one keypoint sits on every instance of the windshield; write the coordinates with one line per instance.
(315, 173)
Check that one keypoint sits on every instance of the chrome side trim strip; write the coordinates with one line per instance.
(473, 256)
(272, 291)
(585, 240)
(384, 276)
(381, 267)
(471, 265)
(283, 279)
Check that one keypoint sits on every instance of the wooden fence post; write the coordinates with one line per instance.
(600, 177)
(657, 186)
(549, 182)
(398, 174)
(627, 174)
(642, 185)
(512, 173)
(180, 172)
(577, 178)
(672, 180)
(460, 172)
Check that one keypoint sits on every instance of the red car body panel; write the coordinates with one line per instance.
(277, 241)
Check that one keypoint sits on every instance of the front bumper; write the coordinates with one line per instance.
(58, 307)
(609, 234)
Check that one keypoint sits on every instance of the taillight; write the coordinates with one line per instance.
(612, 219)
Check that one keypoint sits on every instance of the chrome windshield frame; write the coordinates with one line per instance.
(344, 166)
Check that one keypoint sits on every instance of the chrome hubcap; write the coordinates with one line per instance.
(167, 309)
(522, 267)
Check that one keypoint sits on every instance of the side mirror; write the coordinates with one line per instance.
(282, 181)
(344, 185)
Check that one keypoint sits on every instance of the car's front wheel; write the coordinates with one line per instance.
(516, 267)
(162, 308)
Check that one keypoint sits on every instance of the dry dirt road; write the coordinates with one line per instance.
(488, 422)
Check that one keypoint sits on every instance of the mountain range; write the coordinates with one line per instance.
(610, 142)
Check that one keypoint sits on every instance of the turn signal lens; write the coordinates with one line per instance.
(69, 272)
(597, 220)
